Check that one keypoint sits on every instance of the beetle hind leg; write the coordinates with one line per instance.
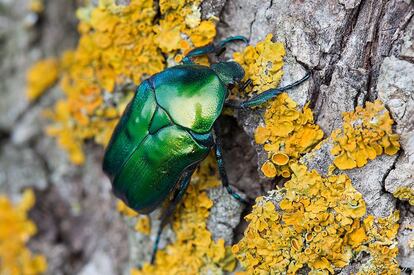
(166, 215)
(222, 170)
(211, 48)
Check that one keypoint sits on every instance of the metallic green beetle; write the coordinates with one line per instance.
(169, 128)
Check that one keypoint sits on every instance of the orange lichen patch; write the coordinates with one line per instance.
(411, 243)
(15, 231)
(36, 6)
(66, 137)
(286, 172)
(280, 158)
(41, 76)
(143, 225)
(142, 222)
(269, 169)
(194, 251)
(405, 193)
(366, 134)
(206, 31)
(288, 133)
(119, 45)
(313, 222)
(180, 19)
(317, 223)
(382, 245)
(125, 210)
(262, 64)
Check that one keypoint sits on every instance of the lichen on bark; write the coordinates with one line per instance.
(357, 51)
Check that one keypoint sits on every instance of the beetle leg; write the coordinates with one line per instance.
(166, 215)
(230, 39)
(266, 95)
(246, 84)
(222, 170)
(211, 48)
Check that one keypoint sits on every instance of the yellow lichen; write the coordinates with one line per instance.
(411, 243)
(405, 193)
(382, 245)
(15, 231)
(36, 6)
(315, 223)
(143, 225)
(288, 133)
(142, 222)
(125, 210)
(366, 134)
(280, 158)
(41, 76)
(119, 45)
(262, 64)
(269, 169)
(193, 251)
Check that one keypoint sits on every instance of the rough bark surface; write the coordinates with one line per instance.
(357, 50)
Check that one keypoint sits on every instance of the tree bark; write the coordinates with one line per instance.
(357, 51)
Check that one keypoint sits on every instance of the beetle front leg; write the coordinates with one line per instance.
(166, 215)
(222, 170)
(265, 96)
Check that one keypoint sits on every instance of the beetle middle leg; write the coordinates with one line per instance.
(166, 215)
(222, 170)
(212, 48)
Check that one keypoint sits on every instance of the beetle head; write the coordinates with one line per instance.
(230, 72)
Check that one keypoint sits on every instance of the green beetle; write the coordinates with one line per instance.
(169, 128)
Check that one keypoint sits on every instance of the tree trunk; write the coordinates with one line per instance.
(356, 50)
